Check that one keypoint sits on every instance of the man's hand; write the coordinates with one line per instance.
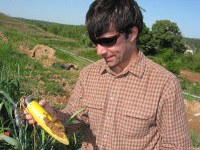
(47, 107)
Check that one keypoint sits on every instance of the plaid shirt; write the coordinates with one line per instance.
(139, 109)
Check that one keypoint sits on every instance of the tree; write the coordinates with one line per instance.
(167, 35)
(146, 42)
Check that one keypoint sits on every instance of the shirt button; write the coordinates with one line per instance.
(111, 98)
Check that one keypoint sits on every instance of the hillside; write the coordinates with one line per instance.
(44, 48)
(24, 35)
(10, 23)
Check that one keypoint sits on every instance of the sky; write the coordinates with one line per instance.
(185, 13)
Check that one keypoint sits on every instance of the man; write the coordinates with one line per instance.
(130, 102)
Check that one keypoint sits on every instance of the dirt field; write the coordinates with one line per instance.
(193, 107)
(195, 77)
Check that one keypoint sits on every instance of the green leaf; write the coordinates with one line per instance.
(11, 141)
(7, 97)
(2, 129)
(7, 105)
(1, 105)
(76, 113)
(71, 122)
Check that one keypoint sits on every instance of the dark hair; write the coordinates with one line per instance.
(120, 15)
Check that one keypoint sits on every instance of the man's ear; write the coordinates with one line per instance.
(134, 33)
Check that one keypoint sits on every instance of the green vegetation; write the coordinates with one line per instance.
(164, 35)
(191, 62)
(15, 134)
(191, 87)
(27, 71)
(78, 32)
(195, 140)
(21, 75)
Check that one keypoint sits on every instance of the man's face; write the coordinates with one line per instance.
(118, 55)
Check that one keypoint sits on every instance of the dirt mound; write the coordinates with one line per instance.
(3, 37)
(195, 77)
(45, 54)
(41, 51)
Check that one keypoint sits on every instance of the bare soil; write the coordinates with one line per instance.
(194, 77)
(43, 53)
(193, 107)
(3, 37)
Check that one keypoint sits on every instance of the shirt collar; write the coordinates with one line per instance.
(136, 69)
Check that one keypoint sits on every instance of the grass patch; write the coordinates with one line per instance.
(33, 76)
(90, 54)
(190, 87)
(195, 140)
(69, 58)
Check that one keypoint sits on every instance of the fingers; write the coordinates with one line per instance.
(48, 108)
(45, 105)
(28, 117)
(31, 121)
(42, 102)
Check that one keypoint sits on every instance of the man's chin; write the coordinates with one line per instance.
(111, 64)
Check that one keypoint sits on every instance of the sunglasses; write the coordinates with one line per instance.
(107, 41)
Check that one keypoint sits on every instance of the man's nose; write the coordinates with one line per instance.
(101, 50)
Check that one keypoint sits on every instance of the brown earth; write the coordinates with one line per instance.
(193, 107)
(43, 53)
(194, 77)
(3, 37)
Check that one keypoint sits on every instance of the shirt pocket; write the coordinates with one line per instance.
(136, 123)
(95, 111)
